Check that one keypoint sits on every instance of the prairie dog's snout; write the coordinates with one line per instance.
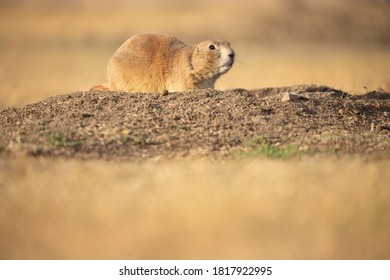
(227, 57)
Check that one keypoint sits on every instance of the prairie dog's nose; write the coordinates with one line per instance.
(232, 54)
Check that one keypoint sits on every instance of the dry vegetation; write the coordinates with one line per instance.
(316, 207)
(177, 210)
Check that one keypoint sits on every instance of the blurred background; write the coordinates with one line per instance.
(317, 208)
(60, 46)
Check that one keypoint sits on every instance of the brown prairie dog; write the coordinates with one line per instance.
(151, 63)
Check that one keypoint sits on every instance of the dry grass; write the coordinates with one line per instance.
(312, 208)
(318, 208)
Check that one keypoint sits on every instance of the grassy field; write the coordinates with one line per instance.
(312, 208)
(262, 209)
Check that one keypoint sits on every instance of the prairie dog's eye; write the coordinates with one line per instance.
(212, 47)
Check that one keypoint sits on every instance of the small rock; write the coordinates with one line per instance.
(288, 96)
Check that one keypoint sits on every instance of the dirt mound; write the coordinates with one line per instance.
(274, 122)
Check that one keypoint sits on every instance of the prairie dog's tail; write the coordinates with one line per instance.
(103, 87)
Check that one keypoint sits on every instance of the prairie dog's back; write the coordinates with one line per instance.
(143, 62)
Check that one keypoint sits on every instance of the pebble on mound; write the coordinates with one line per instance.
(152, 63)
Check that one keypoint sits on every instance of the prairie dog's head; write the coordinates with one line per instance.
(212, 58)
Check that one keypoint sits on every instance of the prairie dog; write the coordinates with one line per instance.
(151, 63)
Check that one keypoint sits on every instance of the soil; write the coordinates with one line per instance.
(200, 123)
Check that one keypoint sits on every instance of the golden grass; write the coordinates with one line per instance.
(317, 208)
(352, 70)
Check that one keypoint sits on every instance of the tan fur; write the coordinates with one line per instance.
(386, 83)
(152, 63)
